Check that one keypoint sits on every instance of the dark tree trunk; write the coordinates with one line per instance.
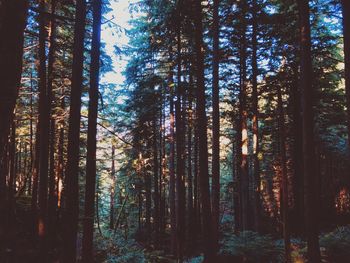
(310, 177)
(12, 23)
(255, 121)
(215, 190)
(172, 168)
(13, 17)
(88, 226)
(298, 184)
(112, 192)
(209, 246)
(72, 171)
(52, 201)
(155, 181)
(284, 193)
(180, 166)
(243, 115)
(346, 33)
(44, 130)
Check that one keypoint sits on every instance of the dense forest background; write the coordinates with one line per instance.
(228, 140)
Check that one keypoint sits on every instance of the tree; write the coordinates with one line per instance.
(216, 126)
(71, 212)
(310, 176)
(346, 33)
(88, 230)
(13, 18)
(209, 248)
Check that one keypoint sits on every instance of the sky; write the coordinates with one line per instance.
(113, 34)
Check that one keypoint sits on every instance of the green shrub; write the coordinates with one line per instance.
(252, 247)
(337, 244)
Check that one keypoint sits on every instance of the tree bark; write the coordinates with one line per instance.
(209, 246)
(88, 227)
(255, 121)
(284, 194)
(310, 177)
(71, 191)
(215, 187)
(346, 34)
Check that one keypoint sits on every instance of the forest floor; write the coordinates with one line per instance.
(20, 246)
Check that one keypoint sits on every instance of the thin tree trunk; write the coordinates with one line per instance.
(112, 192)
(172, 168)
(310, 177)
(88, 226)
(346, 34)
(284, 194)
(216, 127)
(71, 191)
(255, 121)
(243, 115)
(13, 16)
(209, 246)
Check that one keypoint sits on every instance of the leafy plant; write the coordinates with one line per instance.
(253, 247)
(337, 244)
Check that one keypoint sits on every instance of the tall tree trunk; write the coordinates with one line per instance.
(12, 23)
(52, 200)
(72, 171)
(88, 227)
(180, 167)
(216, 127)
(155, 180)
(284, 194)
(172, 167)
(112, 192)
(13, 17)
(310, 177)
(298, 184)
(346, 34)
(243, 115)
(44, 130)
(45, 98)
(209, 246)
(255, 121)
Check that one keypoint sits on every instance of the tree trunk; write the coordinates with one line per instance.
(172, 168)
(255, 121)
(310, 177)
(72, 171)
(12, 23)
(112, 192)
(216, 127)
(209, 246)
(155, 181)
(88, 227)
(284, 194)
(243, 115)
(13, 16)
(346, 34)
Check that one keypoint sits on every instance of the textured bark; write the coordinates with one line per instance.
(12, 23)
(88, 226)
(255, 121)
(346, 34)
(112, 192)
(172, 168)
(215, 187)
(310, 176)
(243, 115)
(71, 191)
(208, 242)
(156, 182)
(284, 193)
(180, 152)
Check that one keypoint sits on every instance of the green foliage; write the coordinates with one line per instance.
(253, 247)
(337, 244)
